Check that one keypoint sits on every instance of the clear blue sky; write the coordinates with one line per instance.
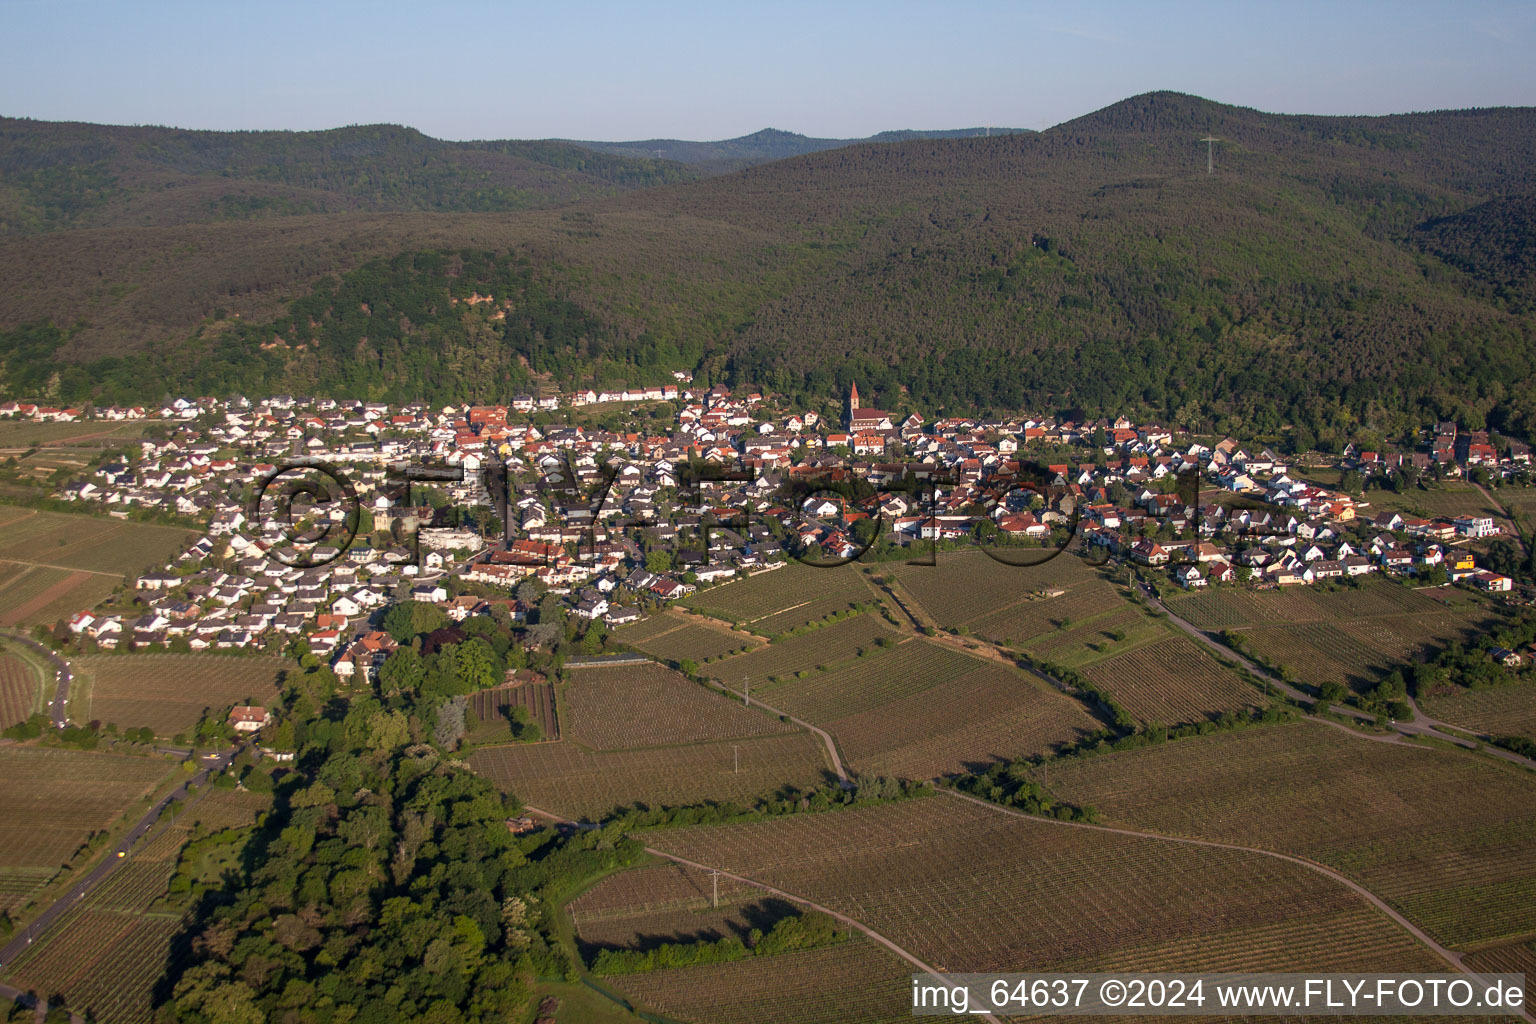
(653, 68)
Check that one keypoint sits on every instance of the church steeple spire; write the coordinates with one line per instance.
(853, 397)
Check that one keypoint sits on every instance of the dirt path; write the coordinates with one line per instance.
(826, 737)
(23, 611)
(1449, 956)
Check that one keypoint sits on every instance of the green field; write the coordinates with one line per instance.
(969, 588)
(622, 707)
(1448, 838)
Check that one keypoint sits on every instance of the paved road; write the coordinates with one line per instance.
(60, 705)
(1422, 725)
(1449, 956)
(111, 860)
(782, 894)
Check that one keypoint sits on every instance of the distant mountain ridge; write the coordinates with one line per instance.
(1333, 275)
(762, 146)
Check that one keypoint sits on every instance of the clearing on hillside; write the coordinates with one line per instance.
(1447, 837)
(169, 692)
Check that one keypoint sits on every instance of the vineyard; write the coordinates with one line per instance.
(626, 706)
(1229, 607)
(52, 798)
(567, 779)
(1040, 619)
(1499, 711)
(39, 595)
(169, 692)
(92, 543)
(492, 707)
(969, 588)
(855, 981)
(1448, 838)
(1172, 682)
(883, 675)
(673, 637)
(990, 713)
(1356, 654)
(20, 689)
(107, 954)
(830, 645)
(784, 598)
(942, 878)
(642, 907)
(1083, 642)
(1516, 958)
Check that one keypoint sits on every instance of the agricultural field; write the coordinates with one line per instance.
(621, 707)
(1355, 654)
(98, 544)
(571, 780)
(1172, 682)
(882, 675)
(772, 602)
(1515, 958)
(967, 587)
(825, 646)
(1447, 838)
(1088, 604)
(1083, 642)
(21, 689)
(1238, 607)
(168, 692)
(1497, 711)
(665, 902)
(855, 981)
(106, 955)
(26, 434)
(1447, 500)
(992, 712)
(677, 637)
(37, 595)
(942, 877)
(491, 707)
(53, 799)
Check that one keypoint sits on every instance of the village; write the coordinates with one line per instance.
(620, 523)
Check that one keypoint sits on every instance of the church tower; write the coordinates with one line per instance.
(853, 398)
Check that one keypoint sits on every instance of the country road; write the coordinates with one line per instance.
(1423, 725)
(111, 859)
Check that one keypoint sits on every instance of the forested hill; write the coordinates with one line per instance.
(59, 175)
(766, 145)
(1332, 274)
